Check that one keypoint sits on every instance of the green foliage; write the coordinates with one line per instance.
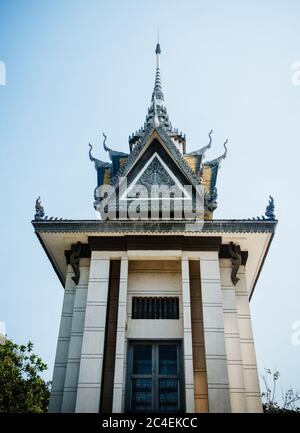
(290, 398)
(21, 387)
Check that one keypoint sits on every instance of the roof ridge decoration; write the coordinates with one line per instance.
(39, 209)
(97, 162)
(111, 152)
(269, 212)
(170, 145)
(217, 161)
(117, 226)
(40, 213)
(192, 164)
(202, 150)
(270, 209)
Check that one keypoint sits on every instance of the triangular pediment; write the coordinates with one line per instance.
(155, 173)
(158, 135)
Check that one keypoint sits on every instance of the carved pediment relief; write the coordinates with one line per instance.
(155, 174)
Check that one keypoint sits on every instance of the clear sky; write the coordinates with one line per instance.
(76, 68)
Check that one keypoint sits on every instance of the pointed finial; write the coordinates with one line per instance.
(157, 83)
(157, 49)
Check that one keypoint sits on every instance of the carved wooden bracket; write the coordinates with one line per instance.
(74, 261)
(236, 260)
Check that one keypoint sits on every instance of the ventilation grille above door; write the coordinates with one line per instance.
(155, 308)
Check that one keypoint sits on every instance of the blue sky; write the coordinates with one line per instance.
(77, 68)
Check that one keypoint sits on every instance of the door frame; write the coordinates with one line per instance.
(152, 341)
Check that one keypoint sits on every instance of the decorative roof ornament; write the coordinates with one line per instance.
(40, 213)
(236, 261)
(269, 213)
(155, 118)
(217, 161)
(270, 209)
(122, 172)
(39, 210)
(111, 152)
(74, 261)
(157, 49)
(97, 162)
(210, 200)
(203, 150)
(156, 108)
(157, 91)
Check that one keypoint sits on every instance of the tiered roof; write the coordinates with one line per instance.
(157, 118)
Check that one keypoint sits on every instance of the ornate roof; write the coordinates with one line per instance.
(157, 108)
(192, 164)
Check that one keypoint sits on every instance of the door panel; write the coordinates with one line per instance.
(154, 377)
(169, 395)
(142, 359)
(168, 359)
(141, 395)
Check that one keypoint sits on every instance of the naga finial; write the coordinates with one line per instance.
(225, 153)
(208, 146)
(39, 210)
(111, 152)
(218, 160)
(203, 150)
(210, 139)
(97, 162)
(270, 209)
(90, 152)
(104, 143)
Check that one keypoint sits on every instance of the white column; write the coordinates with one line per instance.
(232, 340)
(74, 353)
(90, 373)
(251, 380)
(213, 324)
(119, 377)
(187, 332)
(59, 371)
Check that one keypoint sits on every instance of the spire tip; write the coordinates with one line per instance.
(157, 49)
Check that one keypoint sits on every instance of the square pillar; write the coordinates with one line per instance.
(119, 376)
(214, 339)
(232, 340)
(74, 353)
(91, 362)
(61, 358)
(251, 380)
(187, 341)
